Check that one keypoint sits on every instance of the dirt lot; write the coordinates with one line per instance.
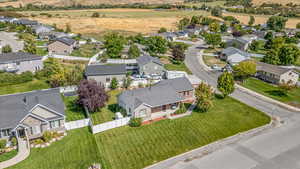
(259, 2)
(259, 19)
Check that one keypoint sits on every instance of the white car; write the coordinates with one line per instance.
(216, 67)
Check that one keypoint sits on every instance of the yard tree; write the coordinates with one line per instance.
(6, 49)
(178, 53)
(196, 20)
(184, 22)
(126, 82)
(134, 51)
(30, 47)
(114, 83)
(51, 67)
(271, 57)
(245, 69)
(114, 44)
(276, 23)
(269, 35)
(223, 28)
(157, 45)
(275, 43)
(204, 95)
(75, 75)
(251, 20)
(96, 15)
(213, 39)
(58, 79)
(298, 26)
(288, 54)
(286, 86)
(226, 83)
(216, 11)
(214, 27)
(162, 30)
(91, 95)
(68, 28)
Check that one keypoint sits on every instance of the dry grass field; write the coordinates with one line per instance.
(122, 20)
(259, 2)
(260, 19)
(85, 2)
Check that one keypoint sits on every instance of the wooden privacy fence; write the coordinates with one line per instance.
(110, 125)
(77, 124)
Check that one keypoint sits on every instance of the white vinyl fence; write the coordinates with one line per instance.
(77, 124)
(110, 125)
(67, 89)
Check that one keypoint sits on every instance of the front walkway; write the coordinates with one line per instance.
(23, 153)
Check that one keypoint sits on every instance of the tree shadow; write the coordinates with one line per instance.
(278, 93)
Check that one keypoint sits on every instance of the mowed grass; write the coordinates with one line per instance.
(136, 148)
(86, 50)
(177, 67)
(105, 114)
(78, 150)
(291, 97)
(73, 110)
(24, 87)
(8, 155)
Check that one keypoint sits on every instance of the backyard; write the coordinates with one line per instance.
(75, 151)
(73, 110)
(86, 50)
(24, 87)
(106, 113)
(291, 97)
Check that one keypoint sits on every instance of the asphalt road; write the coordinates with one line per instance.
(278, 148)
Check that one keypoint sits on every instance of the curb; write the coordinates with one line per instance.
(268, 99)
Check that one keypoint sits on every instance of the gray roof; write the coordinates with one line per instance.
(18, 57)
(66, 40)
(162, 93)
(13, 108)
(231, 51)
(145, 59)
(26, 22)
(277, 70)
(116, 69)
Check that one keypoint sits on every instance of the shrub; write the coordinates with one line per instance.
(96, 15)
(38, 141)
(182, 109)
(135, 122)
(11, 78)
(14, 141)
(2, 143)
(47, 136)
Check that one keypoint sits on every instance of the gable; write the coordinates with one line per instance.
(58, 43)
(44, 113)
(31, 121)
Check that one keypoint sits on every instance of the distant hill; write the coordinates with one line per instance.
(17, 3)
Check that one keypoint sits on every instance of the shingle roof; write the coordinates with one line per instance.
(13, 108)
(231, 50)
(145, 59)
(277, 70)
(164, 92)
(93, 70)
(18, 57)
(66, 40)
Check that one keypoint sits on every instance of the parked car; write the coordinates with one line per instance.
(216, 67)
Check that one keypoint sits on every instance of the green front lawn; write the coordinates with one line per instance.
(78, 150)
(292, 97)
(73, 110)
(87, 50)
(8, 155)
(106, 113)
(177, 67)
(24, 87)
(41, 51)
(135, 148)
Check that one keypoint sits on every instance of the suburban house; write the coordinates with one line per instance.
(62, 46)
(242, 43)
(233, 55)
(157, 101)
(38, 29)
(148, 65)
(105, 73)
(31, 114)
(169, 36)
(276, 74)
(20, 62)
(25, 22)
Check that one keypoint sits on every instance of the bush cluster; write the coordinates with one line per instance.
(12, 79)
(135, 122)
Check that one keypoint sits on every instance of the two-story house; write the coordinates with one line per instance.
(148, 65)
(62, 46)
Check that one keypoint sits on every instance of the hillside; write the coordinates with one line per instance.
(259, 2)
(86, 2)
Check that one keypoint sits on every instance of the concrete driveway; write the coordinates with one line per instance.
(9, 38)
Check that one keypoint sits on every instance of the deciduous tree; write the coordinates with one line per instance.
(276, 23)
(6, 49)
(213, 39)
(157, 45)
(114, 83)
(251, 20)
(226, 83)
(134, 51)
(114, 44)
(245, 69)
(204, 95)
(92, 95)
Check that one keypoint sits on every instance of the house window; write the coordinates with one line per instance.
(35, 130)
(143, 113)
(107, 79)
(54, 124)
(5, 133)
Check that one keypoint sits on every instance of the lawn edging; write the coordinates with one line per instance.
(268, 99)
(214, 146)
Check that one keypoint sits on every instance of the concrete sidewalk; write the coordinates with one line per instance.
(23, 153)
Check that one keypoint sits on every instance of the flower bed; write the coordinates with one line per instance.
(47, 139)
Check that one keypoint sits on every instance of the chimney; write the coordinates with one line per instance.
(25, 99)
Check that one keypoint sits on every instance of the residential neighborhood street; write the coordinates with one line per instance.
(278, 148)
